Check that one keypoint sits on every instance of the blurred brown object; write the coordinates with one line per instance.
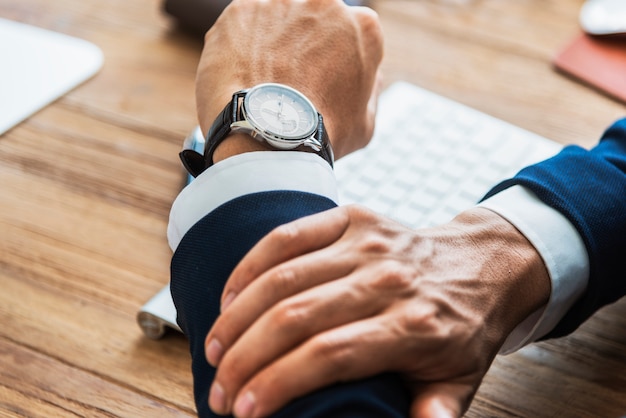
(197, 16)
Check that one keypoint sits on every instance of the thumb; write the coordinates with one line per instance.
(441, 400)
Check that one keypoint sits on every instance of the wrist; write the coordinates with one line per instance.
(512, 268)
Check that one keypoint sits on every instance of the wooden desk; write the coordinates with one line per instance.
(87, 184)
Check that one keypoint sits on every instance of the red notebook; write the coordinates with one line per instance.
(599, 62)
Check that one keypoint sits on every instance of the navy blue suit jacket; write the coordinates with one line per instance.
(588, 187)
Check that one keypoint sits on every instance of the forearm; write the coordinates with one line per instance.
(588, 188)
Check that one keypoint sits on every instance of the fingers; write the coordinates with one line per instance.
(291, 322)
(273, 286)
(346, 353)
(285, 243)
(289, 261)
(360, 300)
(297, 299)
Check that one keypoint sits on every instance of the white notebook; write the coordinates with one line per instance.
(37, 67)
(430, 159)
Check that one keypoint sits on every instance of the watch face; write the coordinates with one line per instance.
(280, 111)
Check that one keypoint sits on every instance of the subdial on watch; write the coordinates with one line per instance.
(281, 117)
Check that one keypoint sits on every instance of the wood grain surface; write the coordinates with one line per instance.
(88, 181)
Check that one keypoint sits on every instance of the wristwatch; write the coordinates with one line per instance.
(272, 113)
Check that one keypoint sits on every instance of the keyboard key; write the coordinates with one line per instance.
(409, 215)
(374, 174)
(394, 192)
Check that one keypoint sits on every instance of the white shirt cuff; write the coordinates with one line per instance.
(562, 251)
(247, 173)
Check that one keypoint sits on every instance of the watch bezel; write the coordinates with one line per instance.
(274, 138)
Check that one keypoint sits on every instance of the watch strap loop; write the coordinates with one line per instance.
(193, 161)
(322, 136)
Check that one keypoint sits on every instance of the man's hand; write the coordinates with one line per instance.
(327, 50)
(347, 294)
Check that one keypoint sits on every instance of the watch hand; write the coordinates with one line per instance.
(271, 112)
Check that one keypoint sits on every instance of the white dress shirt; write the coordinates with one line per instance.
(554, 237)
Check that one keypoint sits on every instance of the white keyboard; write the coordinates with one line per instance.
(430, 159)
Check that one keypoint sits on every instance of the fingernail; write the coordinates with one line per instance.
(244, 406)
(217, 399)
(228, 300)
(214, 352)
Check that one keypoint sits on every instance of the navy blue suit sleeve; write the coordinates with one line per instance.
(589, 188)
(200, 267)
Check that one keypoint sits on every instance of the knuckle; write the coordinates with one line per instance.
(285, 234)
(289, 316)
(369, 20)
(393, 277)
(420, 320)
(375, 244)
(359, 214)
(333, 351)
(284, 277)
(370, 24)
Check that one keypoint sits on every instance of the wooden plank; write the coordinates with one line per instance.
(37, 385)
(133, 168)
(92, 337)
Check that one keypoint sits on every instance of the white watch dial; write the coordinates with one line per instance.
(280, 111)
